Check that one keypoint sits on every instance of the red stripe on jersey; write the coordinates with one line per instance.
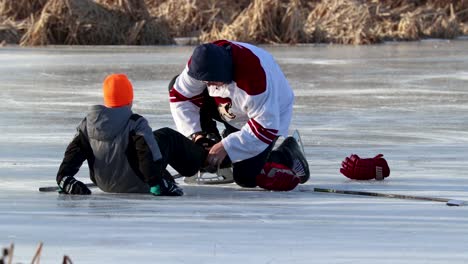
(264, 134)
(175, 96)
(248, 72)
(189, 61)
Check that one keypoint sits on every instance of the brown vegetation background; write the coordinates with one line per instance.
(160, 22)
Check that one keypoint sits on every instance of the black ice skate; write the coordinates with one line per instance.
(295, 158)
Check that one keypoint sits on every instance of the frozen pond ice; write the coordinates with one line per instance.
(408, 101)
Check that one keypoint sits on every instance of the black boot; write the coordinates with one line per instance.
(294, 158)
(169, 186)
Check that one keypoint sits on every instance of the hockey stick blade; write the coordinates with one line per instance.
(456, 203)
(449, 202)
(56, 188)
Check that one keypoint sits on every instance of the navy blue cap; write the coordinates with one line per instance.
(211, 63)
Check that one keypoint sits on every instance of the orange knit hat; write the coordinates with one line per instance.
(118, 90)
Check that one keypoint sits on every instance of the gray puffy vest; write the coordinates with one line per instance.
(108, 131)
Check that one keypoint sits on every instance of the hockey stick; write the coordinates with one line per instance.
(56, 188)
(449, 202)
(89, 185)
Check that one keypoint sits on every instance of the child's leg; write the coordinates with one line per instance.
(178, 151)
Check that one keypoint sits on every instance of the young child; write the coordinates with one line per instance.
(124, 155)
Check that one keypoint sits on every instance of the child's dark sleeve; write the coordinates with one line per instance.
(75, 154)
(148, 163)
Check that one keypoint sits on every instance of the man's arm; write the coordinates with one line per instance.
(186, 97)
(144, 154)
(259, 132)
(151, 165)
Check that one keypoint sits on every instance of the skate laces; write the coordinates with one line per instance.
(275, 172)
(298, 168)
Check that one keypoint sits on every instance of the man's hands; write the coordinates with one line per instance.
(356, 168)
(214, 146)
(70, 185)
(216, 155)
(205, 140)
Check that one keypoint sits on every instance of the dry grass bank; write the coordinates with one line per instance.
(147, 22)
(87, 22)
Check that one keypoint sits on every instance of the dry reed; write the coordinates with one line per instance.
(263, 21)
(343, 22)
(412, 22)
(145, 22)
(187, 18)
(86, 22)
(8, 254)
(11, 31)
(20, 9)
(8, 33)
(16, 17)
(366, 22)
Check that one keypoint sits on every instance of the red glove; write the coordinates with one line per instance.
(365, 169)
(277, 177)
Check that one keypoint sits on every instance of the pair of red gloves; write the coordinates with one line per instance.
(356, 168)
(278, 177)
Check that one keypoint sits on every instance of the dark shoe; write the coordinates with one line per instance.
(169, 187)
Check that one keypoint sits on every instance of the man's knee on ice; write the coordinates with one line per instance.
(244, 182)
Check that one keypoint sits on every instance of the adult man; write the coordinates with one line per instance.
(243, 87)
(124, 155)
